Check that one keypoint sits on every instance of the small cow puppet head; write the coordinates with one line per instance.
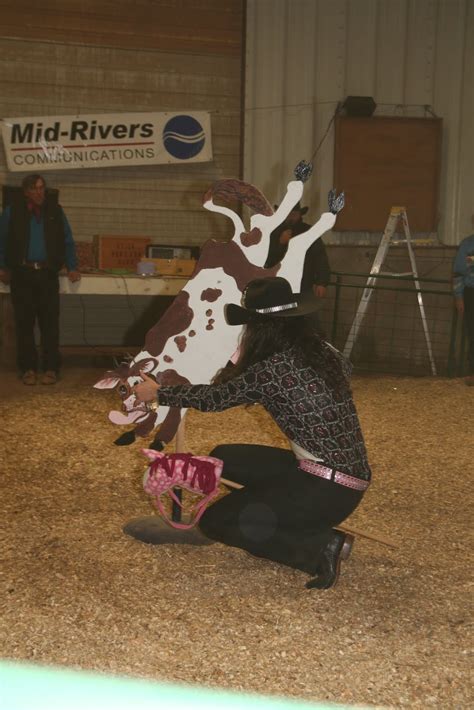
(192, 340)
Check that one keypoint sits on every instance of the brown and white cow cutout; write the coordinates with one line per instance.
(192, 340)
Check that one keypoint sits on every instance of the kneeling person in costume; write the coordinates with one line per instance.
(291, 499)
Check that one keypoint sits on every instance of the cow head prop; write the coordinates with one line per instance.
(192, 340)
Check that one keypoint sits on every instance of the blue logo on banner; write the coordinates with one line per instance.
(183, 137)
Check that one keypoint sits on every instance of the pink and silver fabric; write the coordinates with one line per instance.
(330, 474)
(198, 474)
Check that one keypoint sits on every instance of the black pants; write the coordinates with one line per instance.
(283, 513)
(469, 321)
(35, 297)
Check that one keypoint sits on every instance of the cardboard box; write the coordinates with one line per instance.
(172, 267)
(119, 252)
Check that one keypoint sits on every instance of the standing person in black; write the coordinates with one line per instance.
(291, 500)
(35, 243)
(316, 271)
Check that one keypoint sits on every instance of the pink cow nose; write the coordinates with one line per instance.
(130, 403)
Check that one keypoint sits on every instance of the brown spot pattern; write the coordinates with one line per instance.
(177, 318)
(170, 425)
(192, 333)
(167, 358)
(231, 189)
(248, 239)
(211, 294)
(146, 426)
(181, 341)
(168, 378)
(230, 257)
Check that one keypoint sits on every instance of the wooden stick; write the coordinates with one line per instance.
(179, 448)
(231, 484)
(370, 536)
(179, 439)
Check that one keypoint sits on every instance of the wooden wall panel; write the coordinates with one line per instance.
(41, 75)
(385, 162)
(197, 26)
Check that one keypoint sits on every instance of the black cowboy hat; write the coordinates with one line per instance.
(270, 297)
(296, 208)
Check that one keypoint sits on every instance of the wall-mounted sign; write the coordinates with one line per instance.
(106, 140)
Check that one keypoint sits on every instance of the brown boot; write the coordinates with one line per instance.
(29, 377)
(49, 378)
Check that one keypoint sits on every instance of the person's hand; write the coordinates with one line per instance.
(4, 276)
(146, 391)
(319, 291)
(459, 302)
(74, 276)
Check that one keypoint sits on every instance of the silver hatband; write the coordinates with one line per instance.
(274, 309)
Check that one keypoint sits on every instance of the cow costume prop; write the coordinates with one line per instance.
(192, 341)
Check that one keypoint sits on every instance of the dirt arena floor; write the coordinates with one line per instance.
(76, 592)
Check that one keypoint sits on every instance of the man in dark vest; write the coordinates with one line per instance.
(35, 243)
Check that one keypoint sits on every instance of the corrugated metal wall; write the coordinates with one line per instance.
(305, 56)
(86, 56)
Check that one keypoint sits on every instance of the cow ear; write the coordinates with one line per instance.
(107, 383)
(151, 454)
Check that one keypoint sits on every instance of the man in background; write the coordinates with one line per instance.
(463, 287)
(316, 271)
(35, 243)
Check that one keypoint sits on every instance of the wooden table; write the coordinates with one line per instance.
(90, 284)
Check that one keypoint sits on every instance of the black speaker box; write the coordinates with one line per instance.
(362, 106)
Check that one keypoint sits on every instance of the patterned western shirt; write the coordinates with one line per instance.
(308, 411)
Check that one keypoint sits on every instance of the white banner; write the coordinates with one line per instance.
(106, 140)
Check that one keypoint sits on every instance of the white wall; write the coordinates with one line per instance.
(304, 56)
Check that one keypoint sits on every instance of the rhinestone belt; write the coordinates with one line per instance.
(330, 474)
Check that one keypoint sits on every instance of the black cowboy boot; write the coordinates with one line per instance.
(338, 549)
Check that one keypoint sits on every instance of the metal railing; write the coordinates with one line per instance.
(391, 337)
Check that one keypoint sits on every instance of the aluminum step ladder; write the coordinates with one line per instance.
(396, 213)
